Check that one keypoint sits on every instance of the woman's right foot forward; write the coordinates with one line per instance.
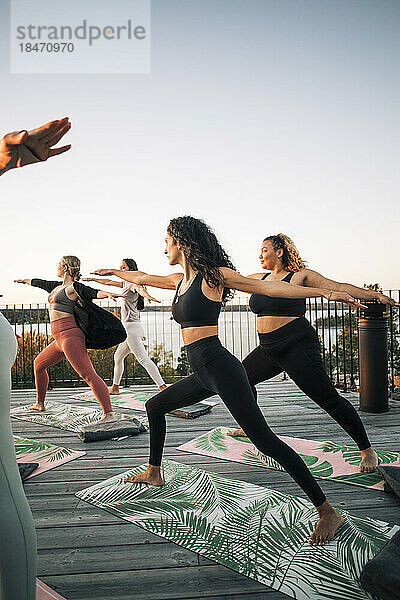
(152, 476)
(328, 524)
(39, 407)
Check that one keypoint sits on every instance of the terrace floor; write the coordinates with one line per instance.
(87, 553)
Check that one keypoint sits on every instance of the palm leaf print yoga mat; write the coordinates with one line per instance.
(69, 417)
(326, 460)
(48, 456)
(253, 530)
(137, 401)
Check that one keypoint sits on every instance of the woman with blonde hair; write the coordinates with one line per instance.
(289, 343)
(76, 324)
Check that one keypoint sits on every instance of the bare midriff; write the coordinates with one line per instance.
(57, 314)
(193, 334)
(268, 324)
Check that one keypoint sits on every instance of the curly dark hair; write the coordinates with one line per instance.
(132, 266)
(203, 251)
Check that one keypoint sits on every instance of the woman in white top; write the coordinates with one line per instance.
(132, 304)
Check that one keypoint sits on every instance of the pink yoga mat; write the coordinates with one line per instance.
(44, 592)
(48, 458)
(326, 459)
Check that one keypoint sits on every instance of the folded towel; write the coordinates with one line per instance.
(381, 574)
(111, 429)
(26, 469)
(391, 475)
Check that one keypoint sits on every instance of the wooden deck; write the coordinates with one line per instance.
(88, 553)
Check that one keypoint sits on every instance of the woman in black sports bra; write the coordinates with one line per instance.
(289, 343)
(205, 285)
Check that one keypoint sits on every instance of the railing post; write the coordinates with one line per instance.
(373, 356)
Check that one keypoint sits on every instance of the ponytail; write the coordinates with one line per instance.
(291, 258)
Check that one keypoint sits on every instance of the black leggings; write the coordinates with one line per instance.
(295, 348)
(217, 371)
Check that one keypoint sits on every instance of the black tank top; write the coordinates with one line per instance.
(268, 306)
(193, 308)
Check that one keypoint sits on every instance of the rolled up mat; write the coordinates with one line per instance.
(26, 469)
(381, 574)
(111, 429)
(391, 476)
(192, 412)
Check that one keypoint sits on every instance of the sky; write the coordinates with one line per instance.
(258, 116)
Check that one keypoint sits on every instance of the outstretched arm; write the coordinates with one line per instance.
(26, 281)
(104, 281)
(143, 292)
(282, 289)
(314, 279)
(21, 148)
(101, 295)
(168, 282)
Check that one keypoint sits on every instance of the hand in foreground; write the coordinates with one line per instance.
(387, 300)
(20, 281)
(21, 148)
(103, 272)
(346, 298)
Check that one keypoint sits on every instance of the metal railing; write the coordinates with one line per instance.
(335, 323)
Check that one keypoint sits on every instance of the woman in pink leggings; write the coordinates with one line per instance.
(75, 327)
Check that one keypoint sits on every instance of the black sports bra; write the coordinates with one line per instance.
(269, 306)
(193, 308)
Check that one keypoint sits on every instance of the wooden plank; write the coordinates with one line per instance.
(85, 552)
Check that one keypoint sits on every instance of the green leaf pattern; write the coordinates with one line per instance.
(69, 417)
(318, 456)
(253, 530)
(47, 455)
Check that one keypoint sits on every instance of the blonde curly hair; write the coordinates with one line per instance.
(73, 265)
(291, 257)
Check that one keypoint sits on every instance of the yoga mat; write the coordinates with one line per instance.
(326, 460)
(44, 592)
(137, 401)
(64, 416)
(48, 456)
(253, 530)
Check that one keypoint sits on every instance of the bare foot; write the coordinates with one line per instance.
(369, 461)
(114, 389)
(38, 406)
(110, 416)
(237, 433)
(152, 476)
(162, 387)
(328, 524)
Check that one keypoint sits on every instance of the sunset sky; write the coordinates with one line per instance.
(258, 116)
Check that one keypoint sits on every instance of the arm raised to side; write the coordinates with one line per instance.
(314, 279)
(167, 282)
(282, 289)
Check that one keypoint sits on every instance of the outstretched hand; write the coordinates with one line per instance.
(20, 148)
(103, 272)
(346, 298)
(387, 300)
